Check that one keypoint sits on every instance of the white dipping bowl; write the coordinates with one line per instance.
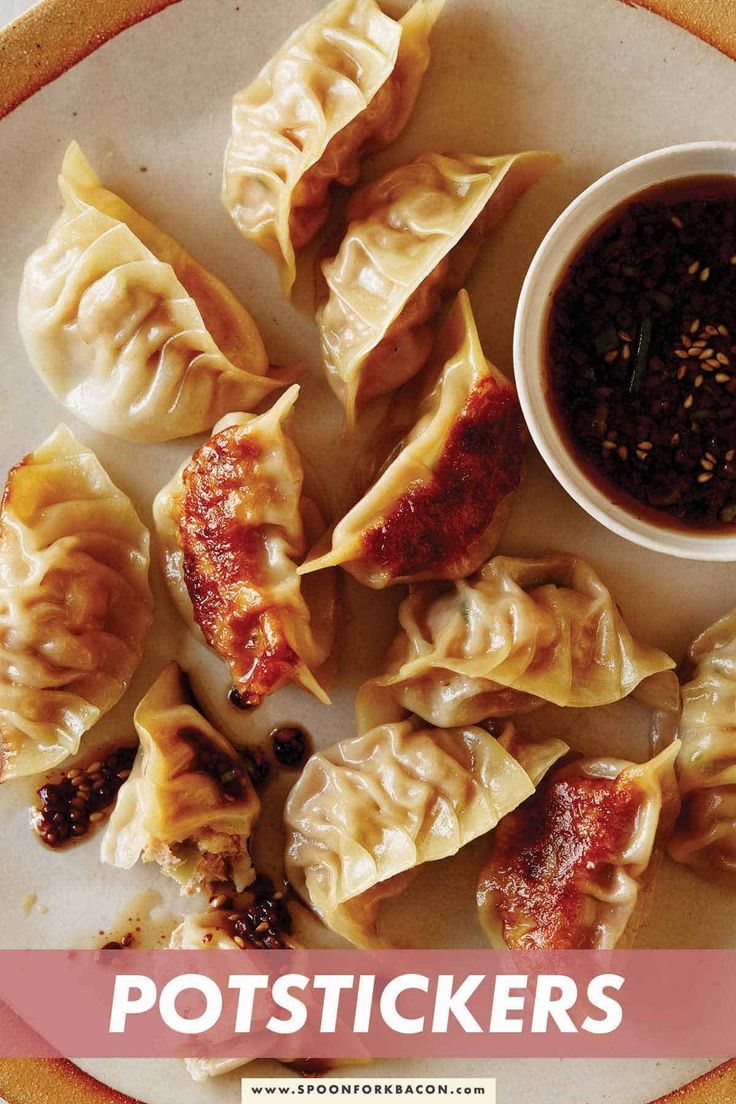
(562, 242)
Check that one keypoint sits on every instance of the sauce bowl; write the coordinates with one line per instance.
(571, 230)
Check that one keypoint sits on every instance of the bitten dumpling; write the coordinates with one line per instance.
(706, 766)
(518, 633)
(75, 604)
(342, 86)
(438, 507)
(568, 867)
(232, 527)
(188, 804)
(232, 930)
(369, 810)
(411, 237)
(126, 329)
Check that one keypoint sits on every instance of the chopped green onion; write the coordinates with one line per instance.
(641, 356)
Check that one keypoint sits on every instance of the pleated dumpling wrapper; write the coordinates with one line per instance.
(706, 767)
(188, 804)
(411, 238)
(126, 329)
(342, 86)
(229, 930)
(369, 810)
(570, 867)
(75, 603)
(518, 633)
(232, 525)
(438, 506)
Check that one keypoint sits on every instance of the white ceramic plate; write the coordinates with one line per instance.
(592, 79)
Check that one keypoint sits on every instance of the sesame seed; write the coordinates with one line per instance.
(706, 464)
(611, 356)
(694, 352)
(94, 817)
(641, 455)
(711, 331)
(688, 402)
(705, 477)
(709, 364)
(698, 381)
(681, 372)
(721, 377)
(608, 445)
(722, 358)
(624, 336)
(709, 456)
(733, 259)
(681, 353)
(645, 445)
(93, 768)
(686, 341)
(704, 275)
(676, 222)
(239, 941)
(695, 326)
(623, 452)
(626, 352)
(693, 268)
(706, 354)
(730, 455)
(700, 343)
(723, 331)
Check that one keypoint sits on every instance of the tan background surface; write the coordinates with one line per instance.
(36, 48)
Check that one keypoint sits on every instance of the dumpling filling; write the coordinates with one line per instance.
(188, 804)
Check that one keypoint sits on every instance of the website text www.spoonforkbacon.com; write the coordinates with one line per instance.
(482, 1090)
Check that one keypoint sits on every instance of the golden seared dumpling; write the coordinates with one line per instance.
(75, 604)
(569, 866)
(706, 766)
(368, 811)
(232, 525)
(342, 86)
(518, 633)
(129, 331)
(411, 237)
(188, 804)
(439, 505)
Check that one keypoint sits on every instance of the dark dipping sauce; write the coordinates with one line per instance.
(641, 354)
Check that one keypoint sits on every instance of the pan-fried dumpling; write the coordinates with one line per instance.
(75, 604)
(437, 509)
(233, 930)
(188, 804)
(706, 767)
(568, 867)
(126, 329)
(342, 86)
(231, 524)
(411, 237)
(518, 633)
(369, 810)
